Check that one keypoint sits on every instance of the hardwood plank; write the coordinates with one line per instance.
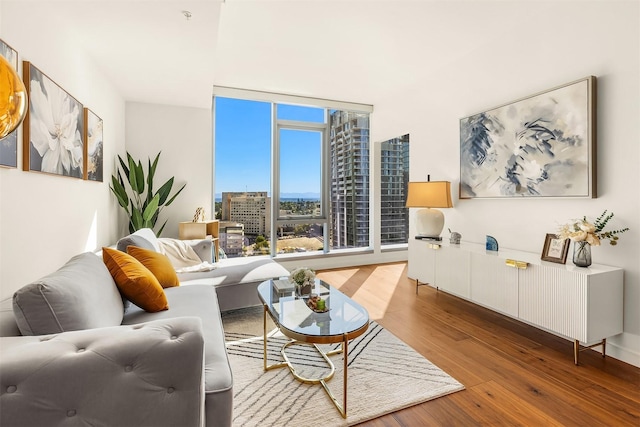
(438, 412)
(514, 374)
(497, 406)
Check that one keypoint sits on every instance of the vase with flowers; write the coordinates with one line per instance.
(304, 279)
(586, 234)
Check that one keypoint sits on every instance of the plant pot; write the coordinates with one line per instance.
(582, 254)
(303, 290)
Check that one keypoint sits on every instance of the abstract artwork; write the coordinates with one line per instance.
(93, 146)
(540, 146)
(53, 128)
(9, 144)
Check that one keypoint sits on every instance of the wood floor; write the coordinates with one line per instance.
(514, 374)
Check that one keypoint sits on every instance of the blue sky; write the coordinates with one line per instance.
(243, 148)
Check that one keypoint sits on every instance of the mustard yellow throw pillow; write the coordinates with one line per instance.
(158, 264)
(135, 281)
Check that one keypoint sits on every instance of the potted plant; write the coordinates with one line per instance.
(586, 234)
(304, 278)
(144, 205)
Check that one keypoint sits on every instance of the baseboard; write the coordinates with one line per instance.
(625, 347)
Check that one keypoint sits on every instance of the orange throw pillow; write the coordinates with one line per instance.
(135, 281)
(158, 264)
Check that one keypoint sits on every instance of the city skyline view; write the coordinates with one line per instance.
(303, 218)
(243, 132)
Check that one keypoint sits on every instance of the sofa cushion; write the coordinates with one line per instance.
(158, 264)
(135, 281)
(202, 302)
(143, 238)
(233, 271)
(79, 295)
(236, 280)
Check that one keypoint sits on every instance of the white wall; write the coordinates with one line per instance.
(425, 65)
(597, 38)
(47, 219)
(183, 135)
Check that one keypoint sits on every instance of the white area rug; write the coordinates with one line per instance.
(384, 375)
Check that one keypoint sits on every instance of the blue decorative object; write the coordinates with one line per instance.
(492, 244)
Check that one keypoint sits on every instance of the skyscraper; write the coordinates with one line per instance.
(349, 163)
(394, 179)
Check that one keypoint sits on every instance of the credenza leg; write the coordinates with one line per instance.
(577, 349)
(418, 284)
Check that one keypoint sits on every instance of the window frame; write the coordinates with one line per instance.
(277, 220)
(278, 98)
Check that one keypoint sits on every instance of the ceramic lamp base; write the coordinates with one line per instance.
(429, 223)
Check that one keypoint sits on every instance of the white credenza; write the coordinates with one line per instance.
(582, 304)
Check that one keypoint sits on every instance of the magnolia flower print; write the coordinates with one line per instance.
(54, 128)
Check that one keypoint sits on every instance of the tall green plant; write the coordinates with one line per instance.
(142, 208)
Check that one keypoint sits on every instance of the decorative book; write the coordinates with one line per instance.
(283, 286)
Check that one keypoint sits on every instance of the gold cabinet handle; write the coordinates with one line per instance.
(517, 264)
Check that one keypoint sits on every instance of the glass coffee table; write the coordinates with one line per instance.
(344, 321)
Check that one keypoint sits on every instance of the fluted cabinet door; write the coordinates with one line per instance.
(583, 304)
(452, 270)
(493, 284)
(422, 262)
(554, 299)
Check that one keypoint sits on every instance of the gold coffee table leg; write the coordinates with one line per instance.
(342, 408)
(345, 359)
(264, 347)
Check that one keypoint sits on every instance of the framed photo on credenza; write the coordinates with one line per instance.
(555, 249)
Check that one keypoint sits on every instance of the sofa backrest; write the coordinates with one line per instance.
(79, 295)
(144, 238)
(8, 325)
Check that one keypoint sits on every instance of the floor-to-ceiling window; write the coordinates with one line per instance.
(291, 175)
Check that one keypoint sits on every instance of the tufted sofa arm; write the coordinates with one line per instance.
(149, 374)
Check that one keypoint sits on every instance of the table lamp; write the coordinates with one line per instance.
(429, 195)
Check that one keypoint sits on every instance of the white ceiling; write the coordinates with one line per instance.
(353, 50)
(148, 48)
(350, 50)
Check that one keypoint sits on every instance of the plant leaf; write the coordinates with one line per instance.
(120, 192)
(159, 233)
(124, 166)
(151, 209)
(164, 191)
(132, 175)
(136, 218)
(140, 177)
(120, 178)
(152, 172)
(175, 195)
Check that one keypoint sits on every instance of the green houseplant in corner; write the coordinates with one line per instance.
(143, 208)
